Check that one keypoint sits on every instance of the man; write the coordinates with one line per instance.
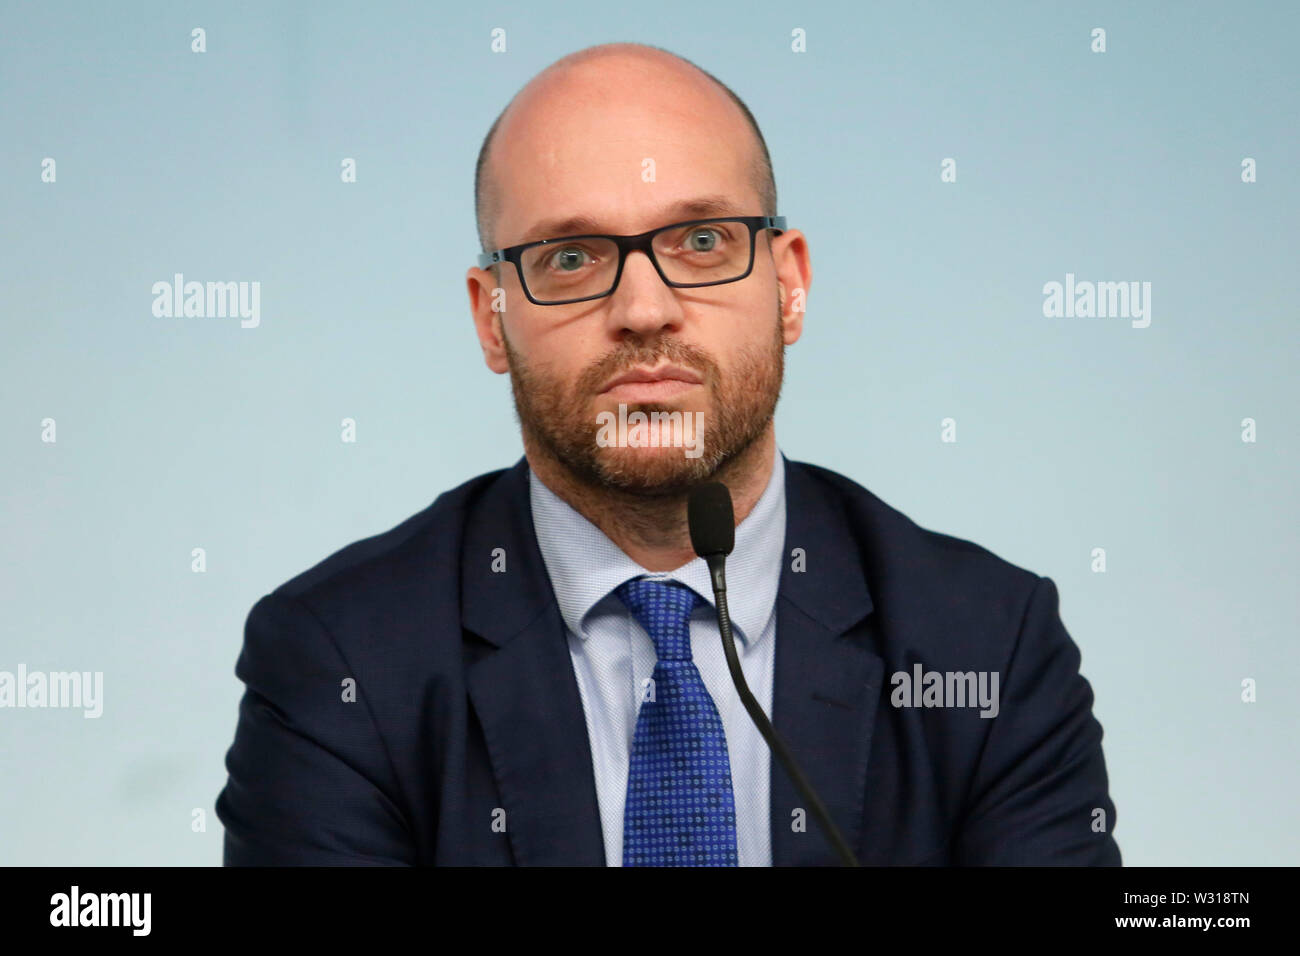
(530, 671)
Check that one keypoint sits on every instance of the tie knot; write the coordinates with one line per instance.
(664, 609)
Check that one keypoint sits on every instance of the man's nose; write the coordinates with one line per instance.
(643, 303)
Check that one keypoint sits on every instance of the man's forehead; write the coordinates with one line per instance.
(579, 223)
(583, 187)
(592, 149)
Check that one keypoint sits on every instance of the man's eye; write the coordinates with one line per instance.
(703, 240)
(569, 259)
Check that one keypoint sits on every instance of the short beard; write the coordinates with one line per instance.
(557, 418)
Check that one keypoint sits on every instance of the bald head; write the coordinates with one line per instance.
(637, 75)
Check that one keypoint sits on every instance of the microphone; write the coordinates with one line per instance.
(712, 524)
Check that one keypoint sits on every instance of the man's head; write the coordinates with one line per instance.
(628, 138)
(487, 192)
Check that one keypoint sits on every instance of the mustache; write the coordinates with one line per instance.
(625, 359)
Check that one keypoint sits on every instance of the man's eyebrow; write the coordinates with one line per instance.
(697, 208)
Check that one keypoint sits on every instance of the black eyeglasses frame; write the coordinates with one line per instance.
(638, 243)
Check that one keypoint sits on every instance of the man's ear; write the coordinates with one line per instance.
(484, 295)
(793, 275)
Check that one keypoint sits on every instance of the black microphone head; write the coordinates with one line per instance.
(711, 519)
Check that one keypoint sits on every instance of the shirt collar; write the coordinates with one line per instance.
(585, 566)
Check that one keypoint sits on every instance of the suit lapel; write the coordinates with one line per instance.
(826, 685)
(524, 691)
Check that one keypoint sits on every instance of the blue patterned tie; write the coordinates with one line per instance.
(680, 808)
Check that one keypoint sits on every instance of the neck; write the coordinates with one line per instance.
(653, 532)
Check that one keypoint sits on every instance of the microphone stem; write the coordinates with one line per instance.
(717, 573)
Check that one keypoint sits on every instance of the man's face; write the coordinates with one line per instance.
(563, 414)
(630, 162)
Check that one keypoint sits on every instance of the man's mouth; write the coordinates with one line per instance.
(651, 385)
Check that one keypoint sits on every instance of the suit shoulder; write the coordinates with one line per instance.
(902, 555)
(438, 524)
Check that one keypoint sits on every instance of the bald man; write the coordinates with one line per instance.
(531, 671)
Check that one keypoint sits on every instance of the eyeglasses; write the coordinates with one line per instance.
(687, 255)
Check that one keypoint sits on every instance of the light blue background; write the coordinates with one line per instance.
(926, 303)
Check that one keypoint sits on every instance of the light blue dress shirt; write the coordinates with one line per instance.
(613, 656)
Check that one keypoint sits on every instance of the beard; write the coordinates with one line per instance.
(559, 415)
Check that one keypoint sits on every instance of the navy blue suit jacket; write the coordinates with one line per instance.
(467, 745)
